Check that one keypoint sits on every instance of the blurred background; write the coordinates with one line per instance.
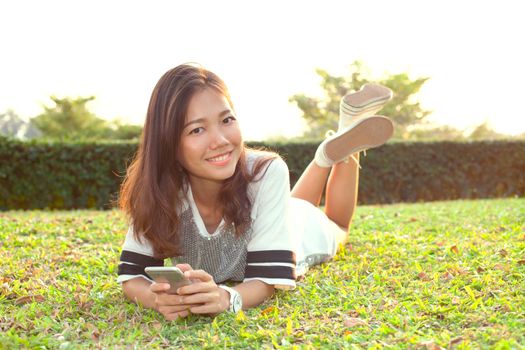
(73, 69)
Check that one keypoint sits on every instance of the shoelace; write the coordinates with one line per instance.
(347, 159)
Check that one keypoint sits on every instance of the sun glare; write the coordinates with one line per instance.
(474, 64)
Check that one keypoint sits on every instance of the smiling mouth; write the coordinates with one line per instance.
(220, 158)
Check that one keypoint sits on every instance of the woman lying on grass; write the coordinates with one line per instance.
(222, 212)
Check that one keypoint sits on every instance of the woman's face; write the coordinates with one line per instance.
(211, 140)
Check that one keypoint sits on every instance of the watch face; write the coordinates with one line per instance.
(237, 303)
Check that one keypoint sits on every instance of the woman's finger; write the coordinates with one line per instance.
(198, 287)
(176, 315)
(200, 298)
(159, 287)
(210, 308)
(184, 267)
(164, 299)
(199, 275)
(171, 309)
(183, 313)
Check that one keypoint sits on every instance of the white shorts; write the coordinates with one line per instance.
(317, 237)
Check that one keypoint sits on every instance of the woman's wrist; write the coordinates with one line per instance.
(225, 299)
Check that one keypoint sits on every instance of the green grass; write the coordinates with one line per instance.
(449, 274)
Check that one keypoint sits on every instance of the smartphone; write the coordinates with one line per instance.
(168, 274)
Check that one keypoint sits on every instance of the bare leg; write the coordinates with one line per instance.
(311, 184)
(341, 181)
(341, 189)
(341, 192)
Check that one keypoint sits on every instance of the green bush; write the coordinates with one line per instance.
(37, 175)
(428, 171)
(61, 175)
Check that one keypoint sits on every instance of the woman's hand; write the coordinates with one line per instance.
(171, 306)
(204, 296)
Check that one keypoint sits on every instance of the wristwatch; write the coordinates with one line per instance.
(235, 299)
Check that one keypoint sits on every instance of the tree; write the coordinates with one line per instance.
(11, 125)
(322, 114)
(125, 131)
(484, 131)
(70, 119)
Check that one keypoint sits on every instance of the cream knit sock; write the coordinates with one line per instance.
(320, 157)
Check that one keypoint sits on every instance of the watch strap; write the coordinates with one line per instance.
(233, 294)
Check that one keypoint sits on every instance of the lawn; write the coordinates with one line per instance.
(445, 274)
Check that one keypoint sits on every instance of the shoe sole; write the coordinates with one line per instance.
(370, 93)
(365, 134)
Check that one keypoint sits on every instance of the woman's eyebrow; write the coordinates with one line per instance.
(202, 120)
(195, 121)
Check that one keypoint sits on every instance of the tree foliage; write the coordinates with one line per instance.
(126, 131)
(484, 131)
(70, 119)
(11, 125)
(322, 113)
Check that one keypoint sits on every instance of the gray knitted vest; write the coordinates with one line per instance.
(222, 254)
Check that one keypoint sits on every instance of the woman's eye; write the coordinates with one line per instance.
(228, 120)
(197, 131)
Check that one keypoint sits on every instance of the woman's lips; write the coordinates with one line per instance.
(221, 159)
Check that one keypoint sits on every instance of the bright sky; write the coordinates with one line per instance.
(266, 51)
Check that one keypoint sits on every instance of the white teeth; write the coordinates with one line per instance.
(220, 158)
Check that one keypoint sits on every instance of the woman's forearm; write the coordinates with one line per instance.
(137, 290)
(254, 292)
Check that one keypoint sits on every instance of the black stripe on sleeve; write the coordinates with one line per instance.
(127, 269)
(264, 256)
(284, 272)
(139, 259)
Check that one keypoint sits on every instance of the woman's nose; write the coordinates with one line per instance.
(219, 140)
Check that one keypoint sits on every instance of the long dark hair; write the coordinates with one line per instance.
(151, 192)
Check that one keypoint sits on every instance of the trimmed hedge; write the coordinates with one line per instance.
(38, 175)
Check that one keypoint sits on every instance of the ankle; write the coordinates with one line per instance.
(320, 157)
